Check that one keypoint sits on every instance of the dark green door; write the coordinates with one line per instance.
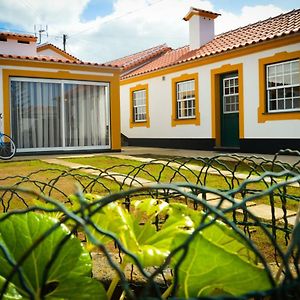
(229, 92)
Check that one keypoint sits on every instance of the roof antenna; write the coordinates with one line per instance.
(39, 30)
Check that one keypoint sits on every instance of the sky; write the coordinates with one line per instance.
(103, 30)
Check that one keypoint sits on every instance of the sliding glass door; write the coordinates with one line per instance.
(52, 114)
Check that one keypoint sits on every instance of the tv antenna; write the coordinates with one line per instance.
(39, 31)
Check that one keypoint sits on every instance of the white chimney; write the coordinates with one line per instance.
(202, 26)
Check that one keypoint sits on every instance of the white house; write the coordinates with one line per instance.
(238, 90)
(50, 101)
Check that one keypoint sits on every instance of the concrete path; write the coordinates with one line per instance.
(123, 179)
(209, 170)
(291, 159)
(262, 211)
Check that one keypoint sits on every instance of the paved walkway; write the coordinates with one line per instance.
(291, 159)
(262, 211)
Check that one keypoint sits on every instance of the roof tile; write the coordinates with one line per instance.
(284, 24)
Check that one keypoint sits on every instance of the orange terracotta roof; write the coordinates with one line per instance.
(279, 26)
(139, 58)
(56, 49)
(53, 60)
(14, 35)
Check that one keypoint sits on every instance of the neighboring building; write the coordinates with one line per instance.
(52, 101)
(238, 90)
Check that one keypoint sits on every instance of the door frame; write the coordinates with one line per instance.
(215, 100)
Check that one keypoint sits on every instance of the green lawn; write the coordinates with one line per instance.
(166, 174)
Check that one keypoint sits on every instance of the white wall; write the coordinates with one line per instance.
(49, 52)
(160, 104)
(11, 46)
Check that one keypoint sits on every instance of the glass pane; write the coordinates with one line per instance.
(86, 115)
(272, 82)
(296, 78)
(273, 105)
(296, 102)
(279, 69)
(272, 94)
(36, 114)
(287, 79)
(288, 103)
(271, 71)
(280, 104)
(288, 92)
(279, 80)
(296, 91)
(286, 68)
(295, 66)
(280, 93)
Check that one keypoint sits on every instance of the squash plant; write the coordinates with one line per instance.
(218, 261)
(67, 277)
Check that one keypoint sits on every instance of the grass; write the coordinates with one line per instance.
(224, 163)
(167, 173)
(51, 180)
(43, 177)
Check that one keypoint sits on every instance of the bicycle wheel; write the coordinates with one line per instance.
(7, 147)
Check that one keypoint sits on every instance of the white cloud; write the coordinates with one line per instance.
(132, 26)
(249, 14)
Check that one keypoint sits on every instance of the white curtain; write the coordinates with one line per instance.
(85, 115)
(36, 114)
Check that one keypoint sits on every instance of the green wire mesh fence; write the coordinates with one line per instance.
(225, 227)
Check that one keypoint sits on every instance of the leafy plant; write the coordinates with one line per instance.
(218, 261)
(44, 273)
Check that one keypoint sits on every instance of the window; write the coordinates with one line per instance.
(283, 86)
(185, 101)
(49, 114)
(139, 109)
(139, 106)
(279, 87)
(230, 95)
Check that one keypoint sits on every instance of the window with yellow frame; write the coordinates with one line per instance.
(185, 100)
(139, 106)
(279, 79)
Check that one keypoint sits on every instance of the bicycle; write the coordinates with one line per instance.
(7, 145)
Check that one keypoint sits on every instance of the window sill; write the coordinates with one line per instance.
(188, 121)
(278, 116)
(140, 124)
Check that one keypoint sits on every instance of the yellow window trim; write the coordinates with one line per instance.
(114, 96)
(263, 115)
(132, 124)
(215, 99)
(278, 42)
(191, 121)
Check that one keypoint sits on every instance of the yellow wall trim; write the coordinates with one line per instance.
(132, 123)
(263, 115)
(192, 121)
(114, 96)
(275, 43)
(215, 99)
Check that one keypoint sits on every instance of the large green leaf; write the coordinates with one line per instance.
(136, 230)
(211, 267)
(72, 263)
(11, 291)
